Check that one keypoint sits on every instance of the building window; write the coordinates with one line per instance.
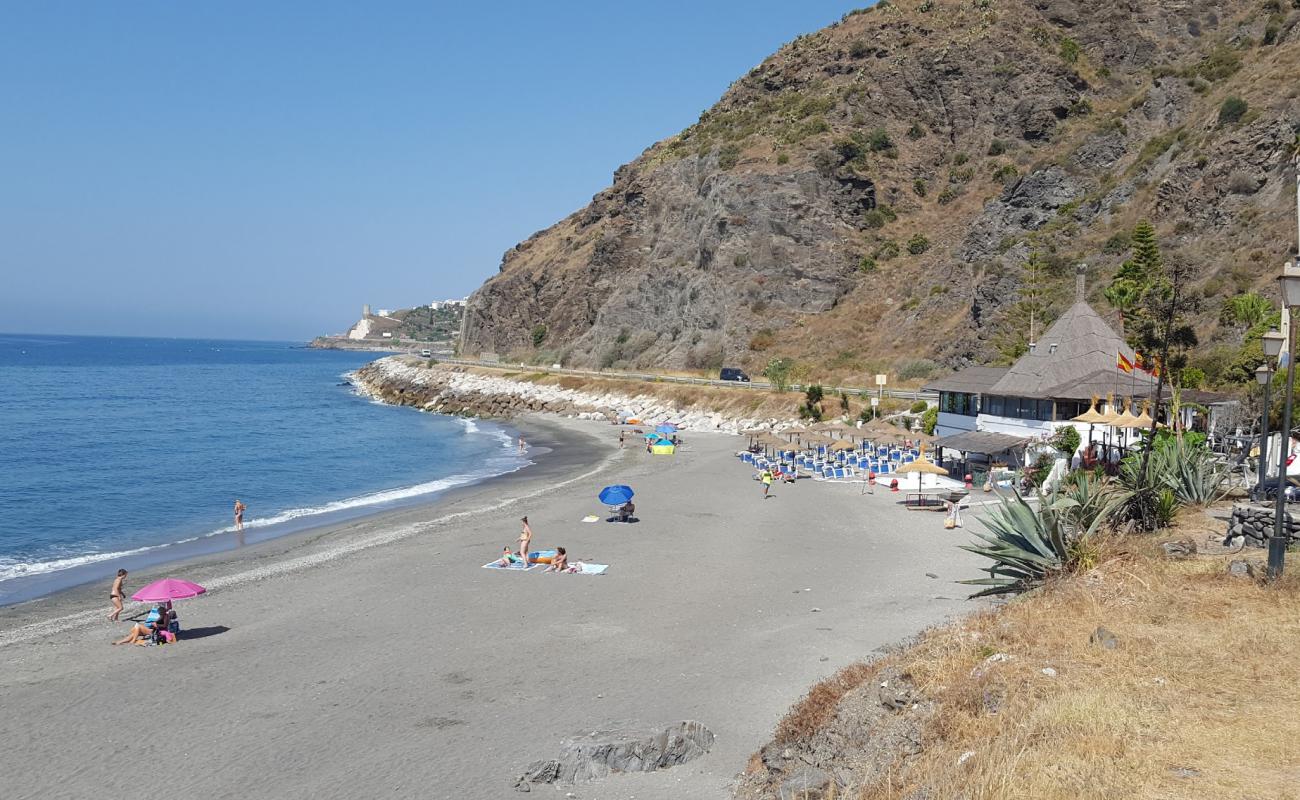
(1069, 409)
(961, 403)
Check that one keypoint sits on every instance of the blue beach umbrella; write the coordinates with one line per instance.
(615, 495)
(667, 427)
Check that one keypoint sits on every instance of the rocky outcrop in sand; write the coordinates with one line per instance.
(619, 748)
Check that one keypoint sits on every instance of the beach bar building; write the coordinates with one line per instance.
(994, 410)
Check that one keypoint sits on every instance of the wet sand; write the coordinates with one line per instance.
(377, 659)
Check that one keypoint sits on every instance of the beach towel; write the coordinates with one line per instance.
(516, 567)
(592, 569)
(591, 518)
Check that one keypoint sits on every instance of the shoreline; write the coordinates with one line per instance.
(718, 606)
(558, 451)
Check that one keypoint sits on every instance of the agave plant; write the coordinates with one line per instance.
(1028, 545)
(1195, 476)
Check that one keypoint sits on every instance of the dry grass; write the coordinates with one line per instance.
(1200, 700)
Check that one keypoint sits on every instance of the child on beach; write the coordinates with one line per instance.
(560, 562)
(766, 478)
(508, 558)
(116, 594)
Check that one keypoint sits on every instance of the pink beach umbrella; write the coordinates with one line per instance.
(168, 589)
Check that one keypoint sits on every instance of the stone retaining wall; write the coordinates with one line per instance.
(1255, 522)
(452, 390)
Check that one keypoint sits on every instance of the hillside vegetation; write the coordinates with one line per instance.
(869, 197)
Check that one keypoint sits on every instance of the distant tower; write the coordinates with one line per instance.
(365, 310)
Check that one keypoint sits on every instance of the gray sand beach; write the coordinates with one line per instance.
(378, 659)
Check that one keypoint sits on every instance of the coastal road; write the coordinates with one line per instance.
(407, 671)
(651, 377)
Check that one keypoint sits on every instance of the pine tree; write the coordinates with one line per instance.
(1145, 263)
(1135, 280)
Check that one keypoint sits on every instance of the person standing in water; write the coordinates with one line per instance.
(522, 444)
(116, 594)
(239, 514)
(525, 541)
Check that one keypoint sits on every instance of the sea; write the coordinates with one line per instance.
(131, 452)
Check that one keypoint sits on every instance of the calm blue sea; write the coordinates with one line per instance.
(113, 450)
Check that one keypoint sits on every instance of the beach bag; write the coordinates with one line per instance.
(949, 523)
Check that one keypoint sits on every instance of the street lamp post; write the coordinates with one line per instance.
(1272, 344)
(1264, 375)
(1289, 281)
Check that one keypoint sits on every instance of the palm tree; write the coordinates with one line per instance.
(1123, 296)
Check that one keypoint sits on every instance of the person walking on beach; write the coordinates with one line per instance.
(239, 514)
(116, 594)
(766, 478)
(522, 444)
(525, 541)
(620, 440)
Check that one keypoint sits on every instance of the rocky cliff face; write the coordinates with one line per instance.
(869, 193)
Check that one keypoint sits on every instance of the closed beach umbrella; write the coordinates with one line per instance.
(616, 495)
(168, 589)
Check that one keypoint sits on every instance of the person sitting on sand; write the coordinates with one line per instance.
(507, 558)
(560, 562)
(143, 632)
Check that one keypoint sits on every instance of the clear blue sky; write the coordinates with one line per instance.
(259, 170)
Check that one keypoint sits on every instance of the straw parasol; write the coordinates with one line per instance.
(1127, 419)
(840, 444)
(879, 428)
(1144, 420)
(1112, 416)
(921, 466)
(1091, 416)
(919, 435)
(795, 431)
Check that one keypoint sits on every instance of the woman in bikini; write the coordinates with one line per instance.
(142, 632)
(239, 514)
(525, 540)
(116, 594)
(559, 562)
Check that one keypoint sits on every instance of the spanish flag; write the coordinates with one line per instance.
(1151, 366)
(1122, 363)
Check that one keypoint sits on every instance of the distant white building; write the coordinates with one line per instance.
(383, 312)
(437, 304)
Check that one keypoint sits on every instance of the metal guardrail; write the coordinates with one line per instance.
(897, 394)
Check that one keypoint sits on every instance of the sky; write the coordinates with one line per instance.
(260, 170)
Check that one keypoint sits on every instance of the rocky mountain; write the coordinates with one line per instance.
(869, 195)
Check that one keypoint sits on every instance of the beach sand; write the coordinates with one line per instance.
(377, 658)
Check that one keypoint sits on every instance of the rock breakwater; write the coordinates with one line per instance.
(454, 390)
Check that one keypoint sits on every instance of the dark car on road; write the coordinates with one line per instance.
(731, 374)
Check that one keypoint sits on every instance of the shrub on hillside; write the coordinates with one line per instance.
(916, 369)
(919, 406)
(918, 244)
(1232, 110)
(539, 334)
